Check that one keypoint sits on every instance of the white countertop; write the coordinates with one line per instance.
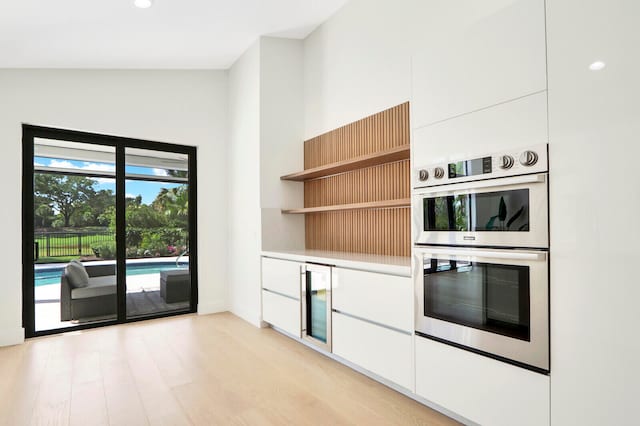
(394, 265)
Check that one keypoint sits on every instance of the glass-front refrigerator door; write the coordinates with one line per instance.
(316, 315)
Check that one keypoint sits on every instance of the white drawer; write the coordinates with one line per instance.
(282, 312)
(479, 388)
(382, 351)
(281, 276)
(385, 299)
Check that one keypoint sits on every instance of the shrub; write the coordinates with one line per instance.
(105, 250)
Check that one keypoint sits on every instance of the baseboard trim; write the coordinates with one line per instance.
(212, 308)
(11, 336)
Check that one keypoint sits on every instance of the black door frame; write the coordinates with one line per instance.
(29, 133)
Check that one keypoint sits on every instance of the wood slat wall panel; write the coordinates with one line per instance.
(383, 231)
(380, 131)
(377, 231)
(384, 182)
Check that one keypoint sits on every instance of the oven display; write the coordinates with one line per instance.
(473, 167)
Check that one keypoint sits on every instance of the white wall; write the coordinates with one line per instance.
(244, 237)
(182, 107)
(265, 104)
(595, 202)
(281, 147)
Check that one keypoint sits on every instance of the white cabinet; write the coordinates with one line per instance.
(281, 276)
(385, 352)
(508, 126)
(282, 312)
(381, 298)
(373, 323)
(281, 294)
(497, 58)
(479, 388)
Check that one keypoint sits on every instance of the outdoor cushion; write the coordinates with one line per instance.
(77, 274)
(98, 286)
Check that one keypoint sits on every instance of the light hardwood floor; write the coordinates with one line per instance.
(191, 370)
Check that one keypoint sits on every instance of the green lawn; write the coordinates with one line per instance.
(63, 246)
(60, 259)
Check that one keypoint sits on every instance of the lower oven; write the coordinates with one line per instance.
(490, 301)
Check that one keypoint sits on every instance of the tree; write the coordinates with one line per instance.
(43, 214)
(96, 207)
(174, 204)
(66, 194)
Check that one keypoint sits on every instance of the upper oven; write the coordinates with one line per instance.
(504, 212)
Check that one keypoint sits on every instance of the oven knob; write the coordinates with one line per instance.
(423, 175)
(528, 158)
(438, 173)
(506, 162)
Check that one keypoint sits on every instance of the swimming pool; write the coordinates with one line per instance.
(48, 276)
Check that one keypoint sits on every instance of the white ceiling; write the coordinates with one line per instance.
(176, 34)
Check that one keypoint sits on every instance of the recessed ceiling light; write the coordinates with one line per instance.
(597, 66)
(143, 4)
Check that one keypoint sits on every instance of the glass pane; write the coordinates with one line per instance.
(74, 234)
(317, 287)
(490, 297)
(144, 162)
(491, 211)
(157, 240)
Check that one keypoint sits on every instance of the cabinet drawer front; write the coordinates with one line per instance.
(281, 276)
(385, 299)
(281, 312)
(380, 350)
(479, 388)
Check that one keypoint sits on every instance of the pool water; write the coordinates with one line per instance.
(48, 276)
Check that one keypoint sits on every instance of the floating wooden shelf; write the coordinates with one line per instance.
(403, 202)
(387, 156)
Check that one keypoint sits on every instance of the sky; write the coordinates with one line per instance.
(133, 188)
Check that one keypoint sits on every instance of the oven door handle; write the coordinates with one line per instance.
(487, 253)
(457, 188)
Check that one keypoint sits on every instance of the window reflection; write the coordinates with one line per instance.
(491, 211)
(488, 296)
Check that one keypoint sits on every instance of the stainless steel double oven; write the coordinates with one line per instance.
(481, 255)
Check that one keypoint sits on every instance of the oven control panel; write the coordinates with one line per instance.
(510, 163)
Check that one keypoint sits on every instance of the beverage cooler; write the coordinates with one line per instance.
(316, 305)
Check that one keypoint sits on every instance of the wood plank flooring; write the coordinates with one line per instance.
(190, 370)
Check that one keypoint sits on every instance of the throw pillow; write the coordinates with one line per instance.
(77, 274)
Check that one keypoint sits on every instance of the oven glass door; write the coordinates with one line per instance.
(499, 212)
(488, 296)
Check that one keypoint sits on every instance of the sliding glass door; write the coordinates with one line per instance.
(157, 232)
(74, 198)
(108, 230)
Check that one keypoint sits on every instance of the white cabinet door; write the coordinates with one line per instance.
(281, 311)
(516, 124)
(479, 388)
(495, 59)
(281, 276)
(382, 351)
(381, 298)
